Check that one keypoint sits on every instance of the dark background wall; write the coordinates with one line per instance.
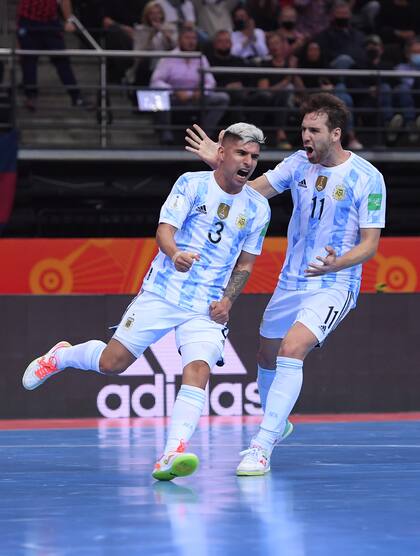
(369, 364)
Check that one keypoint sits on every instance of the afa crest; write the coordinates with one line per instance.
(223, 211)
(241, 221)
(339, 193)
(321, 182)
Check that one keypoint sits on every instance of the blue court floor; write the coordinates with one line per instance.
(345, 489)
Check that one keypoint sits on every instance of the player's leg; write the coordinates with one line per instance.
(198, 358)
(140, 326)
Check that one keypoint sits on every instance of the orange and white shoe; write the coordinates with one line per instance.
(175, 464)
(42, 368)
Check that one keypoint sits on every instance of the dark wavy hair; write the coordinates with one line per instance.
(326, 103)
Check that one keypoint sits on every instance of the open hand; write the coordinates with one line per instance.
(202, 146)
(328, 264)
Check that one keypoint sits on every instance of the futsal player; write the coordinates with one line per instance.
(211, 228)
(338, 212)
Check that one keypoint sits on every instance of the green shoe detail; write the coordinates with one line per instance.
(179, 465)
(288, 429)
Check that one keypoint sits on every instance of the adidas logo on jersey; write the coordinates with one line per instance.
(202, 209)
(323, 327)
(302, 183)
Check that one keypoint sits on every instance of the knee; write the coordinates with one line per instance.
(266, 358)
(291, 348)
(112, 364)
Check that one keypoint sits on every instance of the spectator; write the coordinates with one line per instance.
(264, 13)
(312, 16)
(311, 57)
(406, 99)
(248, 42)
(287, 29)
(179, 12)
(39, 28)
(341, 44)
(279, 88)
(397, 22)
(214, 15)
(153, 34)
(377, 103)
(119, 21)
(236, 85)
(183, 78)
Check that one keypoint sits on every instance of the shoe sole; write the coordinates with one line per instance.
(184, 465)
(29, 367)
(252, 473)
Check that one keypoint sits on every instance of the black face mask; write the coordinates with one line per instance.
(223, 51)
(342, 22)
(289, 25)
(372, 54)
(239, 25)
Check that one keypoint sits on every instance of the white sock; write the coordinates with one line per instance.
(82, 356)
(281, 398)
(265, 378)
(187, 410)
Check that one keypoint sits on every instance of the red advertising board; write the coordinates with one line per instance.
(88, 266)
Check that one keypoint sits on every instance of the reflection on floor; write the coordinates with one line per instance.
(334, 489)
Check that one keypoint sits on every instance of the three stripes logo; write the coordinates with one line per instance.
(202, 209)
(302, 183)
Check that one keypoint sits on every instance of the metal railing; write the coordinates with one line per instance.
(98, 86)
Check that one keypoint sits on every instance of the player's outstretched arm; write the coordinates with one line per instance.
(182, 260)
(200, 144)
(219, 310)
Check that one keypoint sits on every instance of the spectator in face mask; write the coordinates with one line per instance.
(248, 42)
(294, 40)
(378, 101)
(406, 99)
(341, 44)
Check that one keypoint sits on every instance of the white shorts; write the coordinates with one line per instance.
(149, 317)
(319, 310)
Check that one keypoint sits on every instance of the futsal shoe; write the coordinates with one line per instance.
(42, 368)
(255, 461)
(175, 464)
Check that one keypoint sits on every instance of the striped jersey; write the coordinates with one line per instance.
(38, 10)
(214, 224)
(330, 206)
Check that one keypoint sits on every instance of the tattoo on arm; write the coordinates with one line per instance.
(236, 284)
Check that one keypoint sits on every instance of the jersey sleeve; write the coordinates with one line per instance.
(280, 178)
(179, 203)
(373, 201)
(254, 241)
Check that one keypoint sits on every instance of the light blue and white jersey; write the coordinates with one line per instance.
(214, 224)
(330, 206)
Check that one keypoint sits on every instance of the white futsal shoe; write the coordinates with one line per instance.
(256, 460)
(42, 368)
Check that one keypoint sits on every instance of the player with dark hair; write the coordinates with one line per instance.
(338, 213)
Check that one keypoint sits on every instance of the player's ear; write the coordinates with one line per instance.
(221, 152)
(337, 134)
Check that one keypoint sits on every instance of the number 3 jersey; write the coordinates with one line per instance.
(330, 206)
(214, 224)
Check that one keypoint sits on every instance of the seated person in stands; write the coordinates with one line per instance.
(183, 78)
(153, 34)
(180, 13)
(407, 97)
(311, 57)
(236, 85)
(247, 41)
(279, 89)
(118, 22)
(287, 21)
